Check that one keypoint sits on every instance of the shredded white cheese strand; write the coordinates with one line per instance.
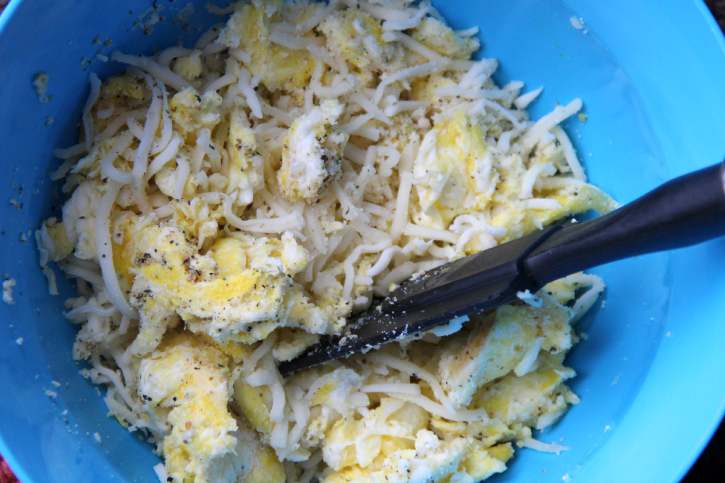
(104, 249)
(95, 83)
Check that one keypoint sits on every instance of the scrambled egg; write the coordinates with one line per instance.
(189, 66)
(241, 281)
(276, 66)
(357, 37)
(440, 38)
(536, 399)
(186, 384)
(246, 170)
(254, 236)
(79, 220)
(191, 112)
(499, 343)
(312, 153)
(430, 459)
(457, 171)
(392, 426)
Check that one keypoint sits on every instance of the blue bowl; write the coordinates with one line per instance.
(652, 371)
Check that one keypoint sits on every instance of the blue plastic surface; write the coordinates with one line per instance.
(652, 371)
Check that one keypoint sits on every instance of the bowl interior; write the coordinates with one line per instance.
(650, 360)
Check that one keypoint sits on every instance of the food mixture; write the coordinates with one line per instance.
(232, 202)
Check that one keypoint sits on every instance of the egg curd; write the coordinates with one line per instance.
(231, 203)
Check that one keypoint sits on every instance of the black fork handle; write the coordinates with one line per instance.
(682, 212)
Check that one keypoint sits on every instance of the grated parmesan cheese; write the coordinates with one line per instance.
(40, 83)
(530, 298)
(8, 285)
(576, 23)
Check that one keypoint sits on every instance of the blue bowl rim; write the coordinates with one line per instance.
(688, 458)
